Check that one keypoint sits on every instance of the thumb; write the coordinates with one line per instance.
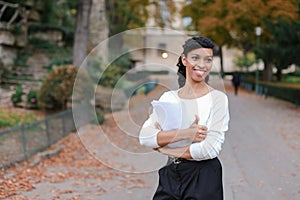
(196, 120)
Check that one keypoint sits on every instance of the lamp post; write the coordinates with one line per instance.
(258, 31)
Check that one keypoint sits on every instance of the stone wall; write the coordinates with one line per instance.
(13, 41)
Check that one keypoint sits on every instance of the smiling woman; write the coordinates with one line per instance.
(193, 170)
(198, 62)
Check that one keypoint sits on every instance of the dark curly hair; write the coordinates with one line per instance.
(189, 45)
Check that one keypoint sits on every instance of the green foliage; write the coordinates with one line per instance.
(111, 76)
(59, 55)
(18, 92)
(21, 60)
(99, 117)
(32, 97)
(281, 51)
(246, 60)
(44, 45)
(291, 79)
(59, 12)
(57, 88)
(9, 118)
(127, 14)
(232, 22)
(123, 61)
(95, 68)
(123, 15)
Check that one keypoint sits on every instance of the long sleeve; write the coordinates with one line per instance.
(148, 132)
(217, 126)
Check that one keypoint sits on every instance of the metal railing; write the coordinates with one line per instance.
(21, 142)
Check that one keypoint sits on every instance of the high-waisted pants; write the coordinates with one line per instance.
(190, 180)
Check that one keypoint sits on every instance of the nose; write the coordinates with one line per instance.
(200, 63)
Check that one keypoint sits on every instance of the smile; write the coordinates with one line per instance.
(199, 72)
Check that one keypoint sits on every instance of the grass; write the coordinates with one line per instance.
(10, 119)
(291, 79)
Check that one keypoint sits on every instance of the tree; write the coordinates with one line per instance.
(213, 26)
(233, 22)
(81, 32)
(127, 14)
(245, 60)
(282, 50)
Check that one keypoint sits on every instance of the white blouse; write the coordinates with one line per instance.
(212, 110)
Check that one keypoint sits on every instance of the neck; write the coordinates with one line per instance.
(195, 89)
(196, 86)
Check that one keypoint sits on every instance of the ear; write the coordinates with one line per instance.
(183, 59)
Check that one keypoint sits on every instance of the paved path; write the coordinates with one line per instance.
(260, 156)
(261, 153)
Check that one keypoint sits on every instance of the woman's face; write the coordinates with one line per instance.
(198, 63)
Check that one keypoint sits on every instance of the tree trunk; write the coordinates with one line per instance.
(268, 72)
(279, 74)
(81, 33)
(221, 61)
(116, 26)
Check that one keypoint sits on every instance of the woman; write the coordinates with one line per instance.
(194, 171)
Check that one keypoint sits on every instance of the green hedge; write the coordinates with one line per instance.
(277, 90)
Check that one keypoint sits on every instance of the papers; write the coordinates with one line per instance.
(169, 114)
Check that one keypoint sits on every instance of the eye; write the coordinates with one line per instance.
(208, 59)
(194, 58)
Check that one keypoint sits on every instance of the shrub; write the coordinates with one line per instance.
(18, 92)
(115, 71)
(57, 88)
(32, 97)
(111, 76)
(99, 118)
(16, 97)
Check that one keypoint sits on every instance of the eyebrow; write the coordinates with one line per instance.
(200, 55)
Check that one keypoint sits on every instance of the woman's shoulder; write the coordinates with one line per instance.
(218, 95)
(169, 95)
(217, 92)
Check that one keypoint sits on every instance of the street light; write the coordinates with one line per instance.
(258, 31)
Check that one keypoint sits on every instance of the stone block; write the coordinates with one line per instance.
(48, 35)
(7, 38)
(7, 55)
(34, 16)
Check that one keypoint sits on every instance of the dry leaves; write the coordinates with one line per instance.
(72, 162)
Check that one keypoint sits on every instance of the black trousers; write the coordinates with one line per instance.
(191, 180)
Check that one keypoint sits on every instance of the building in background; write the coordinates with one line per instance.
(158, 48)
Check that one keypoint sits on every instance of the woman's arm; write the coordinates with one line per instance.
(218, 125)
(180, 152)
(212, 145)
(151, 134)
(194, 133)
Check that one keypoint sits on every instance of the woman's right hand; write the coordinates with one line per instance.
(196, 133)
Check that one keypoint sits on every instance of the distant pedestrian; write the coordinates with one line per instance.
(236, 81)
(193, 170)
